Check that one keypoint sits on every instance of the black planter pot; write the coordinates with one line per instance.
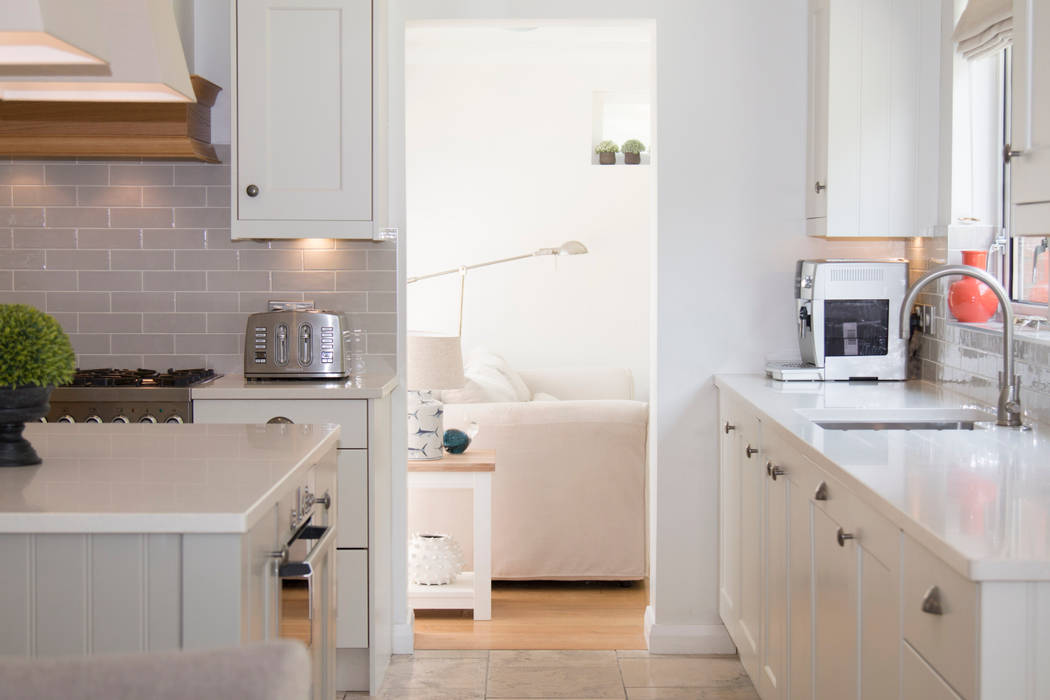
(18, 406)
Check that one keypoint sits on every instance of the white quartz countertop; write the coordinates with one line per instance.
(155, 478)
(235, 386)
(980, 499)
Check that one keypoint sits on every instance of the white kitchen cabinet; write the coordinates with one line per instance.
(362, 556)
(1030, 110)
(302, 139)
(779, 461)
(875, 157)
(749, 543)
(834, 611)
(800, 585)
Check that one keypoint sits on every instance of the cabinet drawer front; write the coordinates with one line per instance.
(351, 414)
(919, 681)
(351, 631)
(947, 641)
(353, 499)
(877, 535)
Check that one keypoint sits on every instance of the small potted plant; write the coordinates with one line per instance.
(35, 355)
(606, 151)
(632, 150)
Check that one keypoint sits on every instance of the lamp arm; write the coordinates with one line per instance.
(417, 278)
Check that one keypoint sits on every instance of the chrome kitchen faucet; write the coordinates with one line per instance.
(1008, 412)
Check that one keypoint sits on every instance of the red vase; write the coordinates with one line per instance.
(970, 300)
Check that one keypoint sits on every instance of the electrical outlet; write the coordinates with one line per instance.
(925, 314)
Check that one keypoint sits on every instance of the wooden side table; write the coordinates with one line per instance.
(472, 589)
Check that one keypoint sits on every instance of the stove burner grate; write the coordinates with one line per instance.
(141, 377)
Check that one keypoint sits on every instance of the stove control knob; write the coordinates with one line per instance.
(93, 419)
(121, 419)
(67, 419)
(42, 419)
(174, 419)
(147, 419)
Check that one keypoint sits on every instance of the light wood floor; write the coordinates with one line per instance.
(543, 615)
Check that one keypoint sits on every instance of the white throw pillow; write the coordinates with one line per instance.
(489, 380)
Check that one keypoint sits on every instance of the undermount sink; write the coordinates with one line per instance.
(896, 419)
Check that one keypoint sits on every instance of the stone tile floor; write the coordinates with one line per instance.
(576, 675)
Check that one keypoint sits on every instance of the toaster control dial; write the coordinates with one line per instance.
(147, 419)
(281, 344)
(121, 419)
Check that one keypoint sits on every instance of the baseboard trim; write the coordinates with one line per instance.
(404, 639)
(686, 639)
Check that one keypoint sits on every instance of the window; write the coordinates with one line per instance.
(981, 182)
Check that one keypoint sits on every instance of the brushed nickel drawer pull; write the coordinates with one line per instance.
(821, 494)
(750, 451)
(931, 601)
(729, 427)
(842, 536)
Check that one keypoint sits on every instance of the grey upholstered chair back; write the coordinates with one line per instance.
(269, 671)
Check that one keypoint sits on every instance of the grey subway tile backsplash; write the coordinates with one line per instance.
(968, 358)
(136, 262)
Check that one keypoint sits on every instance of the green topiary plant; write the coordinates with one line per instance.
(34, 350)
(633, 146)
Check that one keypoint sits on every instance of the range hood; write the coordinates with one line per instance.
(92, 51)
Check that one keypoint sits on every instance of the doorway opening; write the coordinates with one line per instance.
(528, 147)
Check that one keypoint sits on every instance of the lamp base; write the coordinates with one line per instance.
(425, 425)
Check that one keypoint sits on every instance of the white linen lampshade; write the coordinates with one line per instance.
(434, 362)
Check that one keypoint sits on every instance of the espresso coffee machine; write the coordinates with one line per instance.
(848, 321)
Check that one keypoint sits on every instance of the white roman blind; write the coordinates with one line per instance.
(986, 26)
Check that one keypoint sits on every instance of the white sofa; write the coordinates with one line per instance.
(569, 487)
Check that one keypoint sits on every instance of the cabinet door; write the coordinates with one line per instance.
(1030, 173)
(303, 127)
(835, 611)
(351, 598)
(800, 590)
(353, 499)
(879, 627)
(729, 518)
(752, 483)
(817, 141)
(774, 652)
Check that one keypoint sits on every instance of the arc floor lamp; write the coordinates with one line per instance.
(567, 248)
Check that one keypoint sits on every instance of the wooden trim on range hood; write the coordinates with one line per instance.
(111, 129)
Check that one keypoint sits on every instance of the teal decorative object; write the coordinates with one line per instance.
(456, 441)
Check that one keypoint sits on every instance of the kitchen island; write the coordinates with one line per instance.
(155, 537)
(871, 555)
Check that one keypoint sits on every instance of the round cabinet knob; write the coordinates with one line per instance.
(147, 419)
(773, 471)
(67, 419)
(750, 451)
(279, 419)
(174, 419)
(93, 419)
(819, 187)
(252, 190)
(121, 419)
(842, 536)
(729, 427)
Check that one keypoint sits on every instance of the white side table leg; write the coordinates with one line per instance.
(483, 546)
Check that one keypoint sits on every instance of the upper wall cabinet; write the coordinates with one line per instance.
(1030, 128)
(877, 164)
(302, 119)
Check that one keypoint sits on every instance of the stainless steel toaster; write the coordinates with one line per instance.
(300, 344)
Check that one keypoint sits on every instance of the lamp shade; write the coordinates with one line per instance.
(434, 362)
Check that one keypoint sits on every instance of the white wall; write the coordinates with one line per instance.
(498, 139)
(729, 165)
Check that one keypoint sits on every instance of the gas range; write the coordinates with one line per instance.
(128, 396)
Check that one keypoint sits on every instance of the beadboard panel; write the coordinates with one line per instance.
(79, 594)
